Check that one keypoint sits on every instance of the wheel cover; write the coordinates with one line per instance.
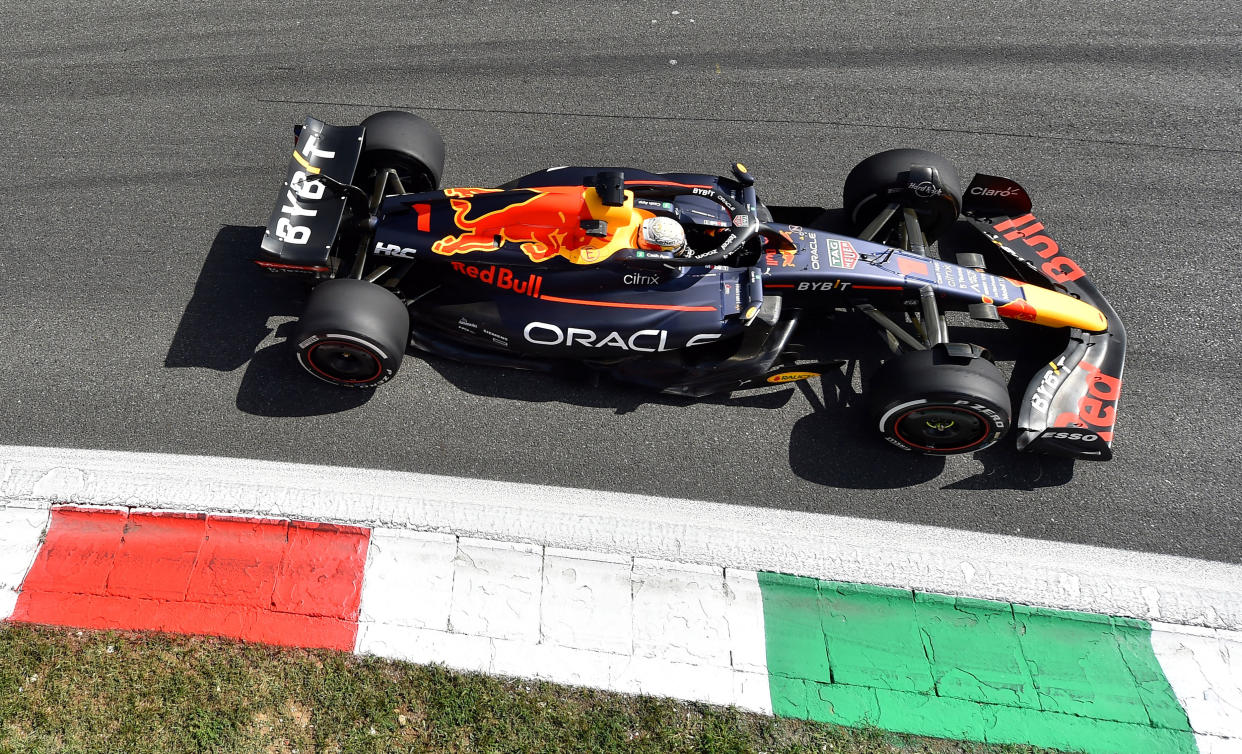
(340, 361)
(942, 428)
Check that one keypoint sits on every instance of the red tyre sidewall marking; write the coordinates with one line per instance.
(379, 367)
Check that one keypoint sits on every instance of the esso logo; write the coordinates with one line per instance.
(1078, 436)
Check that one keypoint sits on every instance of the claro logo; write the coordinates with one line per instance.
(545, 334)
(981, 191)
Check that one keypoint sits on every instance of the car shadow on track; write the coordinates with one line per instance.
(579, 388)
(835, 445)
(230, 317)
(832, 446)
(838, 446)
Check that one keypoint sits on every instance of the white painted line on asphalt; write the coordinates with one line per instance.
(947, 561)
(1204, 667)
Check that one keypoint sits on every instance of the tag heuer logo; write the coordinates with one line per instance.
(842, 254)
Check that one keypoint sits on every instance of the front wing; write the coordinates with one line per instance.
(1070, 405)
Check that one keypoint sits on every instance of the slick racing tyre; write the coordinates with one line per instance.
(923, 181)
(407, 144)
(935, 403)
(352, 334)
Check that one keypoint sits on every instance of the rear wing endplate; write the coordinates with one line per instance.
(305, 221)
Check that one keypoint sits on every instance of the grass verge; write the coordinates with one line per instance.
(68, 691)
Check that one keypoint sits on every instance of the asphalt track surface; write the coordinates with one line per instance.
(143, 146)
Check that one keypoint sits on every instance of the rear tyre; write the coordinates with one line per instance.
(407, 144)
(353, 333)
(935, 403)
(921, 180)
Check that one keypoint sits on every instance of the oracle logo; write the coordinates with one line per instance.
(547, 334)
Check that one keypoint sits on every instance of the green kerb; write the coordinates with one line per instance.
(965, 668)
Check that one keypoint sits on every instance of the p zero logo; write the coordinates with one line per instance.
(1060, 269)
(501, 277)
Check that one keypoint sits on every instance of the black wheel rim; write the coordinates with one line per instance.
(411, 176)
(340, 361)
(942, 428)
(414, 178)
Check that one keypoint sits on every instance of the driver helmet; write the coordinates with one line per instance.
(662, 234)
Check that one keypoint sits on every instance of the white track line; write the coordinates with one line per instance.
(1034, 572)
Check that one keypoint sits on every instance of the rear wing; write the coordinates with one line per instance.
(305, 221)
(1070, 406)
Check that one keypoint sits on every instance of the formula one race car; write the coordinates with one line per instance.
(565, 265)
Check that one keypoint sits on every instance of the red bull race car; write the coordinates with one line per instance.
(689, 284)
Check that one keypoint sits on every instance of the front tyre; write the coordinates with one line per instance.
(353, 333)
(936, 403)
(914, 178)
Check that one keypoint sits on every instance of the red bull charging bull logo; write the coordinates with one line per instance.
(542, 223)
